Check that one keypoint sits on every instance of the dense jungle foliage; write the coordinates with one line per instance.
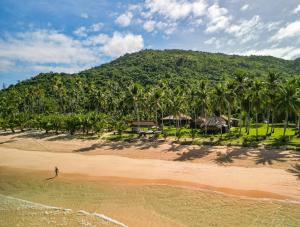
(151, 84)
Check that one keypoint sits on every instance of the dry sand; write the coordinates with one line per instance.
(144, 149)
(253, 182)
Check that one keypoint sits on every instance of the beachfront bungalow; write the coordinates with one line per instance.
(233, 121)
(136, 125)
(173, 119)
(215, 124)
(200, 121)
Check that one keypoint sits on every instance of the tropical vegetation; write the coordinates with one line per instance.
(152, 84)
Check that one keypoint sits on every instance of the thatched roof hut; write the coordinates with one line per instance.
(216, 124)
(136, 125)
(146, 124)
(201, 120)
(180, 117)
(233, 121)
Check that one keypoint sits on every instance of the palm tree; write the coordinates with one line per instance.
(136, 91)
(256, 100)
(220, 100)
(230, 99)
(60, 91)
(203, 94)
(178, 106)
(247, 102)
(270, 97)
(289, 101)
(240, 80)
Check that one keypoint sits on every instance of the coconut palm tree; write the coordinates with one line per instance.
(230, 98)
(136, 92)
(60, 90)
(203, 94)
(272, 82)
(257, 100)
(289, 101)
(220, 100)
(240, 79)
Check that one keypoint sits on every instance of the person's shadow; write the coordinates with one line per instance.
(51, 178)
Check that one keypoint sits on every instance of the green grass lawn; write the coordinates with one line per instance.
(229, 138)
(137, 205)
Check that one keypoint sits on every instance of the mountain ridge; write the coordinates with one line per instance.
(149, 66)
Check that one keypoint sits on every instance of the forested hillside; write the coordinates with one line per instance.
(180, 66)
(177, 67)
(151, 84)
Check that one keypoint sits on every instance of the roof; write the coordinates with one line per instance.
(215, 122)
(231, 119)
(201, 120)
(142, 123)
(177, 117)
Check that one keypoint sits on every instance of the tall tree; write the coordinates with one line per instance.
(288, 101)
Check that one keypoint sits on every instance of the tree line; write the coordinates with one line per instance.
(75, 104)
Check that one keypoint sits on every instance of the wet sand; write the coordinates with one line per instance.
(259, 182)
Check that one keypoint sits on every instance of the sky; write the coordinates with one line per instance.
(73, 35)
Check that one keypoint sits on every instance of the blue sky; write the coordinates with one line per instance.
(72, 35)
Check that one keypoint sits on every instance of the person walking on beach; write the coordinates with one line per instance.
(56, 170)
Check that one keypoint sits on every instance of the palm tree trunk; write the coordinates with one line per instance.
(156, 121)
(272, 123)
(299, 126)
(256, 126)
(195, 118)
(205, 124)
(285, 122)
(162, 120)
(268, 120)
(240, 124)
(138, 116)
(221, 128)
(247, 123)
(177, 127)
(229, 116)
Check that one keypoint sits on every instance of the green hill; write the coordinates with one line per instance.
(148, 66)
(176, 66)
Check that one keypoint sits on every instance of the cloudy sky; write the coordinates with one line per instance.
(72, 35)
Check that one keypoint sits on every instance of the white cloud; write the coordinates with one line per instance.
(290, 30)
(244, 7)
(244, 27)
(149, 25)
(199, 7)
(120, 44)
(167, 28)
(96, 27)
(81, 31)
(297, 9)
(210, 41)
(59, 69)
(6, 65)
(44, 48)
(218, 17)
(174, 9)
(84, 15)
(273, 25)
(96, 40)
(213, 41)
(124, 19)
(288, 52)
